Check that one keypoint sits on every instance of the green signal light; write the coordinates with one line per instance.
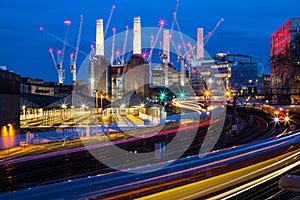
(182, 94)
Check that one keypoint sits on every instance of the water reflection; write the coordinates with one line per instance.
(10, 137)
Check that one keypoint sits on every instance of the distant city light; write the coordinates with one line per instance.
(182, 95)
(63, 106)
(276, 119)
(287, 119)
(162, 95)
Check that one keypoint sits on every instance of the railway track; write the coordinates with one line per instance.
(15, 176)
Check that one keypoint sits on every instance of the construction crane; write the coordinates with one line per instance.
(210, 34)
(92, 52)
(125, 44)
(113, 46)
(109, 19)
(161, 24)
(73, 57)
(60, 56)
(58, 67)
(174, 14)
(180, 34)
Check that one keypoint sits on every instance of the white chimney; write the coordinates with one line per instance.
(99, 38)
(137, 36)
(200, 46)
(167, 53)
(167, 45)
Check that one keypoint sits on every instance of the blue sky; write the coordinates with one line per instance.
(24, 49)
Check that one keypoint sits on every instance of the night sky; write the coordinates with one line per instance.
(24, 49)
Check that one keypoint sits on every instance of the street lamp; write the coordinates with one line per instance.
(101, 97)
(182, 95)
(227, 94)
(96, 103)
(24, 112)
(206, 94)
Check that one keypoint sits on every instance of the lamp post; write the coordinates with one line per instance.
(206, 94)
(96, 101)
(24, 112)
(101, 97)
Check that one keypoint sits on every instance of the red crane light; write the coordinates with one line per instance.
(162, 23)
(59, 52)
(41, 28)
(67, 22)
(144, 54)
(50, 50)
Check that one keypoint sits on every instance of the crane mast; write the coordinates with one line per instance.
(210, 34)
(74, 57)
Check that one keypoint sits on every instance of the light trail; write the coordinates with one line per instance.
(209, 186)
(262, 180)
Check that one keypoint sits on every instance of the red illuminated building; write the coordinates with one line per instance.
(285, 56)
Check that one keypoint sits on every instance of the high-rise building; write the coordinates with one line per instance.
(209, 74)
(159, 75)
(285, 56)
(237, 73)
(246, 73)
